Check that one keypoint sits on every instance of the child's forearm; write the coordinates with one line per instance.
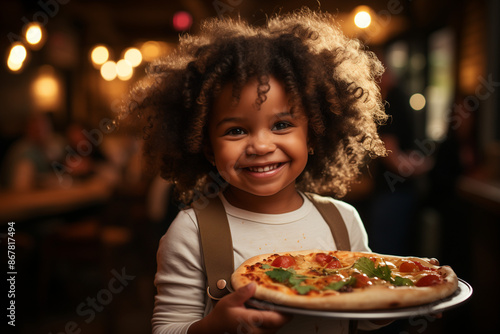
(199, 327)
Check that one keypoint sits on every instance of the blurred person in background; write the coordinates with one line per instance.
(87, 158)
(27, 164)
(457, 156)
(394, 202)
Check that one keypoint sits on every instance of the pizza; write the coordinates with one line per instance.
(343, 280)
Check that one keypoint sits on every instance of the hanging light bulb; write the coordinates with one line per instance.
(17, 56)
(99, 55)
(108, 70)
(34, 34)
(362, 19)
(124, 70)
(133, 56)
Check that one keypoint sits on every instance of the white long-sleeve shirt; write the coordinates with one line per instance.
(181, 282)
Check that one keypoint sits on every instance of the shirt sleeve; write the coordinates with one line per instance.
(180, 279)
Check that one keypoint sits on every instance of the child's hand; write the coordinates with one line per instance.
(231, 316)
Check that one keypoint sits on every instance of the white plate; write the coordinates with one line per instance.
(463, 292)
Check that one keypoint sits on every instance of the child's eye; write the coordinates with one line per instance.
(281, 125)
(235, 132)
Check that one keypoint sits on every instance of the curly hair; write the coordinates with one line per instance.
(330, 77)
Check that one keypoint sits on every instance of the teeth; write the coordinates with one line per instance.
(263, 169)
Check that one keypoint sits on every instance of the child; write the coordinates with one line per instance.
(259, 115)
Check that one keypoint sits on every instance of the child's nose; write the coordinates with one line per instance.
(260, 144)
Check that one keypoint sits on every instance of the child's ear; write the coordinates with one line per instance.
(209, 153)
(310, 147)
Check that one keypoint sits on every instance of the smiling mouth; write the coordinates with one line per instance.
(263, 169)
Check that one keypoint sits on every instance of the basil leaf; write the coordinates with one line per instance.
(266, 266)
(340, 284)
(290, 278)
(279, 275)
(384, 273)
(336, 286)
(367, 266)
(303, 289)
(295, 280)
(401, 281)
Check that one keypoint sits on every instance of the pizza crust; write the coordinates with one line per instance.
(369, 298)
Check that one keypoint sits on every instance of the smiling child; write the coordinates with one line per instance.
(273, 111)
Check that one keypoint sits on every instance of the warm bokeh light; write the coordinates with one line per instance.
(108, 70)
(45, 86)
(362, 19)
(417, 101)
(133, 56)
(99, 55)
(124, 70)
(34, 34)
(182, 21)
(16, 58)
(46, 90)
(14, 67)
(151, 50)
(398, 55)
(18, 53)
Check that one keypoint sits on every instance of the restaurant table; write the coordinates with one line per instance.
(21, 206)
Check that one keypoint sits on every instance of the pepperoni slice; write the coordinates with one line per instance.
(283, 261)
(408, 267)
(412, 266)
(331, 262)
(428, 280)
(334, 264)
(362, 281)
(323, 258)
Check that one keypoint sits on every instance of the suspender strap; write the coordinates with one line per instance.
(217, 246)
(334, 219)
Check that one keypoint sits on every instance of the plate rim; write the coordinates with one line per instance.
(462, 294)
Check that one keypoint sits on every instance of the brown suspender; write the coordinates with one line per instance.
(334, 219)
(217, 246)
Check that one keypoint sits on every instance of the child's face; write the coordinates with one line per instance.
(259, 152)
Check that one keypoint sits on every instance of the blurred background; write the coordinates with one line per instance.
(86, 216)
